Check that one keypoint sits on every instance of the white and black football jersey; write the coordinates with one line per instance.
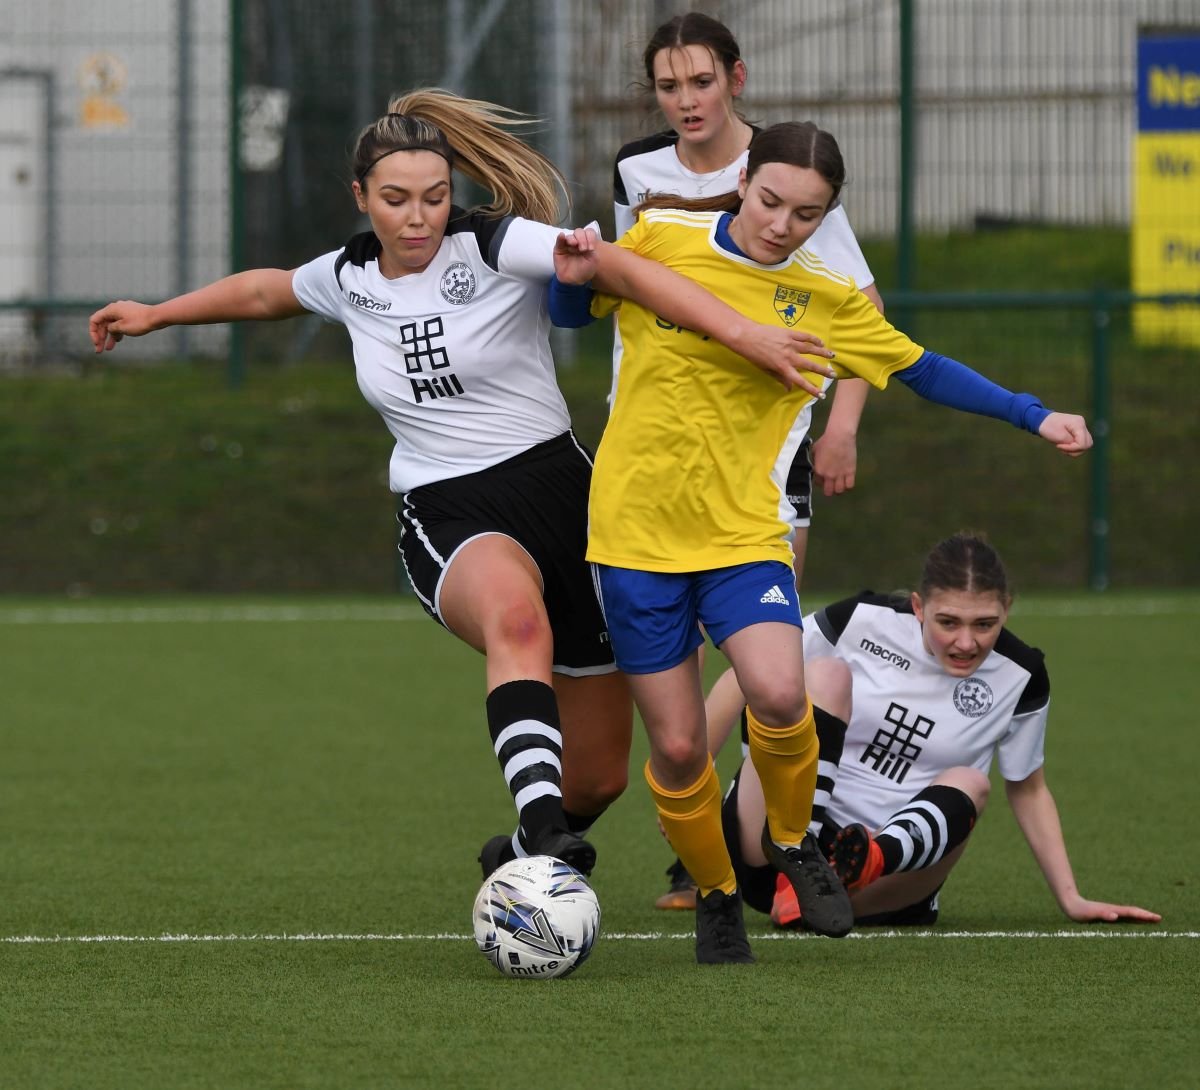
(456, 358)
(911, 720)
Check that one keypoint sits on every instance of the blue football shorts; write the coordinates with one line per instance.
(654, 618)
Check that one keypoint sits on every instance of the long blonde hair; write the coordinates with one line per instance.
(473, 136)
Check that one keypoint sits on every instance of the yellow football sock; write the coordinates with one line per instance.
(691, 819)
(785, 759)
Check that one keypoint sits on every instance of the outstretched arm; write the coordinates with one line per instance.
(948, 382)
(254, 294)
(1036, 813)
(783, 353)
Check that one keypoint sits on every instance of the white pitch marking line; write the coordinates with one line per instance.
(619, 936)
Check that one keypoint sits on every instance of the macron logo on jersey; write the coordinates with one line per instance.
(775, 597)
(885, 653)
(365, 301)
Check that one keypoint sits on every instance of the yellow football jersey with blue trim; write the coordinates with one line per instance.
(690, 473)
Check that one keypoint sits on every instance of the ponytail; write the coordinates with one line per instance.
(473, 136)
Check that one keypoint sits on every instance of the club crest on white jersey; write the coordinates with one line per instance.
(909, 724)
(973, 697)
(458, 284)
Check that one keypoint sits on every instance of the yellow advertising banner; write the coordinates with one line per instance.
(1166, 213)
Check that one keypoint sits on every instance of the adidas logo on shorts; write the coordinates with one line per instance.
(775, 596)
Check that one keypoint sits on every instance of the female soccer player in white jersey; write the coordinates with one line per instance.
(689, 516)
(929, 689)
(447, 313)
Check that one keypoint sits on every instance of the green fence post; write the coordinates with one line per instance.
(236, 367)
(905, 253)
(1098, 552)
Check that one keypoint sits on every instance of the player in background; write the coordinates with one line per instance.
(689, 516)
(447, 314)
(694, 68)
(923, 692)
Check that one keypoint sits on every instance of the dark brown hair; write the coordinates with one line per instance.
(965, 562)
(694, 28)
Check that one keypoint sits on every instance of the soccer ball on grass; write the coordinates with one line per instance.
(536, 917)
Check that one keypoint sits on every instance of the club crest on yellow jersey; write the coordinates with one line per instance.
(790, 304)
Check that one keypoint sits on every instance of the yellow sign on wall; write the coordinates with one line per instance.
(102, 78)
(1166, 214)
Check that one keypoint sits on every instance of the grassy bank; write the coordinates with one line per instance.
(157, 479)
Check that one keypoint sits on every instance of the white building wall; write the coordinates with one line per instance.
(114, 195)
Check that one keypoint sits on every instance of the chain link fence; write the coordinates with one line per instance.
(117, 171)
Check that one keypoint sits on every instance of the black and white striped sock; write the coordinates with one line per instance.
(831, 737)
(523, 721)
(934, 822)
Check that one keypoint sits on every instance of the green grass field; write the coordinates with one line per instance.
(238, 850)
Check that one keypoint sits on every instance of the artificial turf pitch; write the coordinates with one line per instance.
(237, 849)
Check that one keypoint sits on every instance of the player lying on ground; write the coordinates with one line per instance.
(917, 696)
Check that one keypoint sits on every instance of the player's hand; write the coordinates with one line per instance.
(784, 354)
(121, 319)
(1085, 911)
(835, 461)
(575, 256)
(1067, 432)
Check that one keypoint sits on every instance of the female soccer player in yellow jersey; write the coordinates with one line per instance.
(695, 72)
(688, 516)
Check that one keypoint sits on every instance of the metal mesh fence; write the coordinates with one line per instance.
(117, 116)
(337, 67)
